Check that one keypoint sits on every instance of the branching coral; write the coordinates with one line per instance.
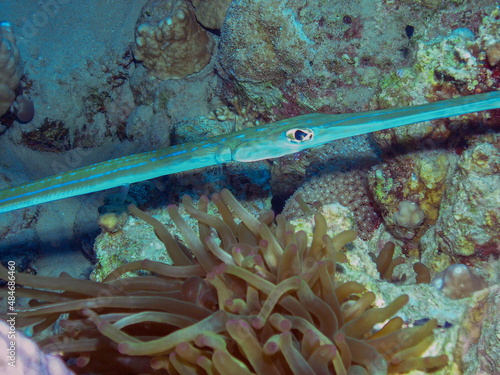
(256, 298)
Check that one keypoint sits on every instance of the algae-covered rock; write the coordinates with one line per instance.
(478, 344)
(445, 67)
(469, 221)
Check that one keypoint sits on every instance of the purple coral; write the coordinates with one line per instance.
(24, 357)
(23, 107)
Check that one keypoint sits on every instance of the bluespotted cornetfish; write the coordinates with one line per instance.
(262, 142)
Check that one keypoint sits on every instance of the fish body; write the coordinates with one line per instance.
(263, 142)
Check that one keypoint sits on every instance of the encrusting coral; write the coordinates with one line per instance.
(347, 188)
(478, 349)
(169, 41)
(257, 299)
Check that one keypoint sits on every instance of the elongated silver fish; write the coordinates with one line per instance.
(252, 144)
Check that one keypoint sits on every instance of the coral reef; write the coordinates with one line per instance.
(447, 168)
(489, 38)
(429, 301)
(291, 57)
(135, 243)
(11, 72)
(137, 240)
(421, 178)
(248, 54)
(169, 41)
(444, 67)
(259, 298)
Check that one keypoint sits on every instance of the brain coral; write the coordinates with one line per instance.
(169, 41)
(350, 189)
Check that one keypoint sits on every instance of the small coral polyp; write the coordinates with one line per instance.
(257, 299)
(409, 215)
(174, 47)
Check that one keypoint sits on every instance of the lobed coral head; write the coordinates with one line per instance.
(11, 72)
(11, 66)
(173, 46)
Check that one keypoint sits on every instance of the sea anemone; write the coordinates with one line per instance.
(244, 295)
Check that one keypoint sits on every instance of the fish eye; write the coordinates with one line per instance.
(299, 135)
